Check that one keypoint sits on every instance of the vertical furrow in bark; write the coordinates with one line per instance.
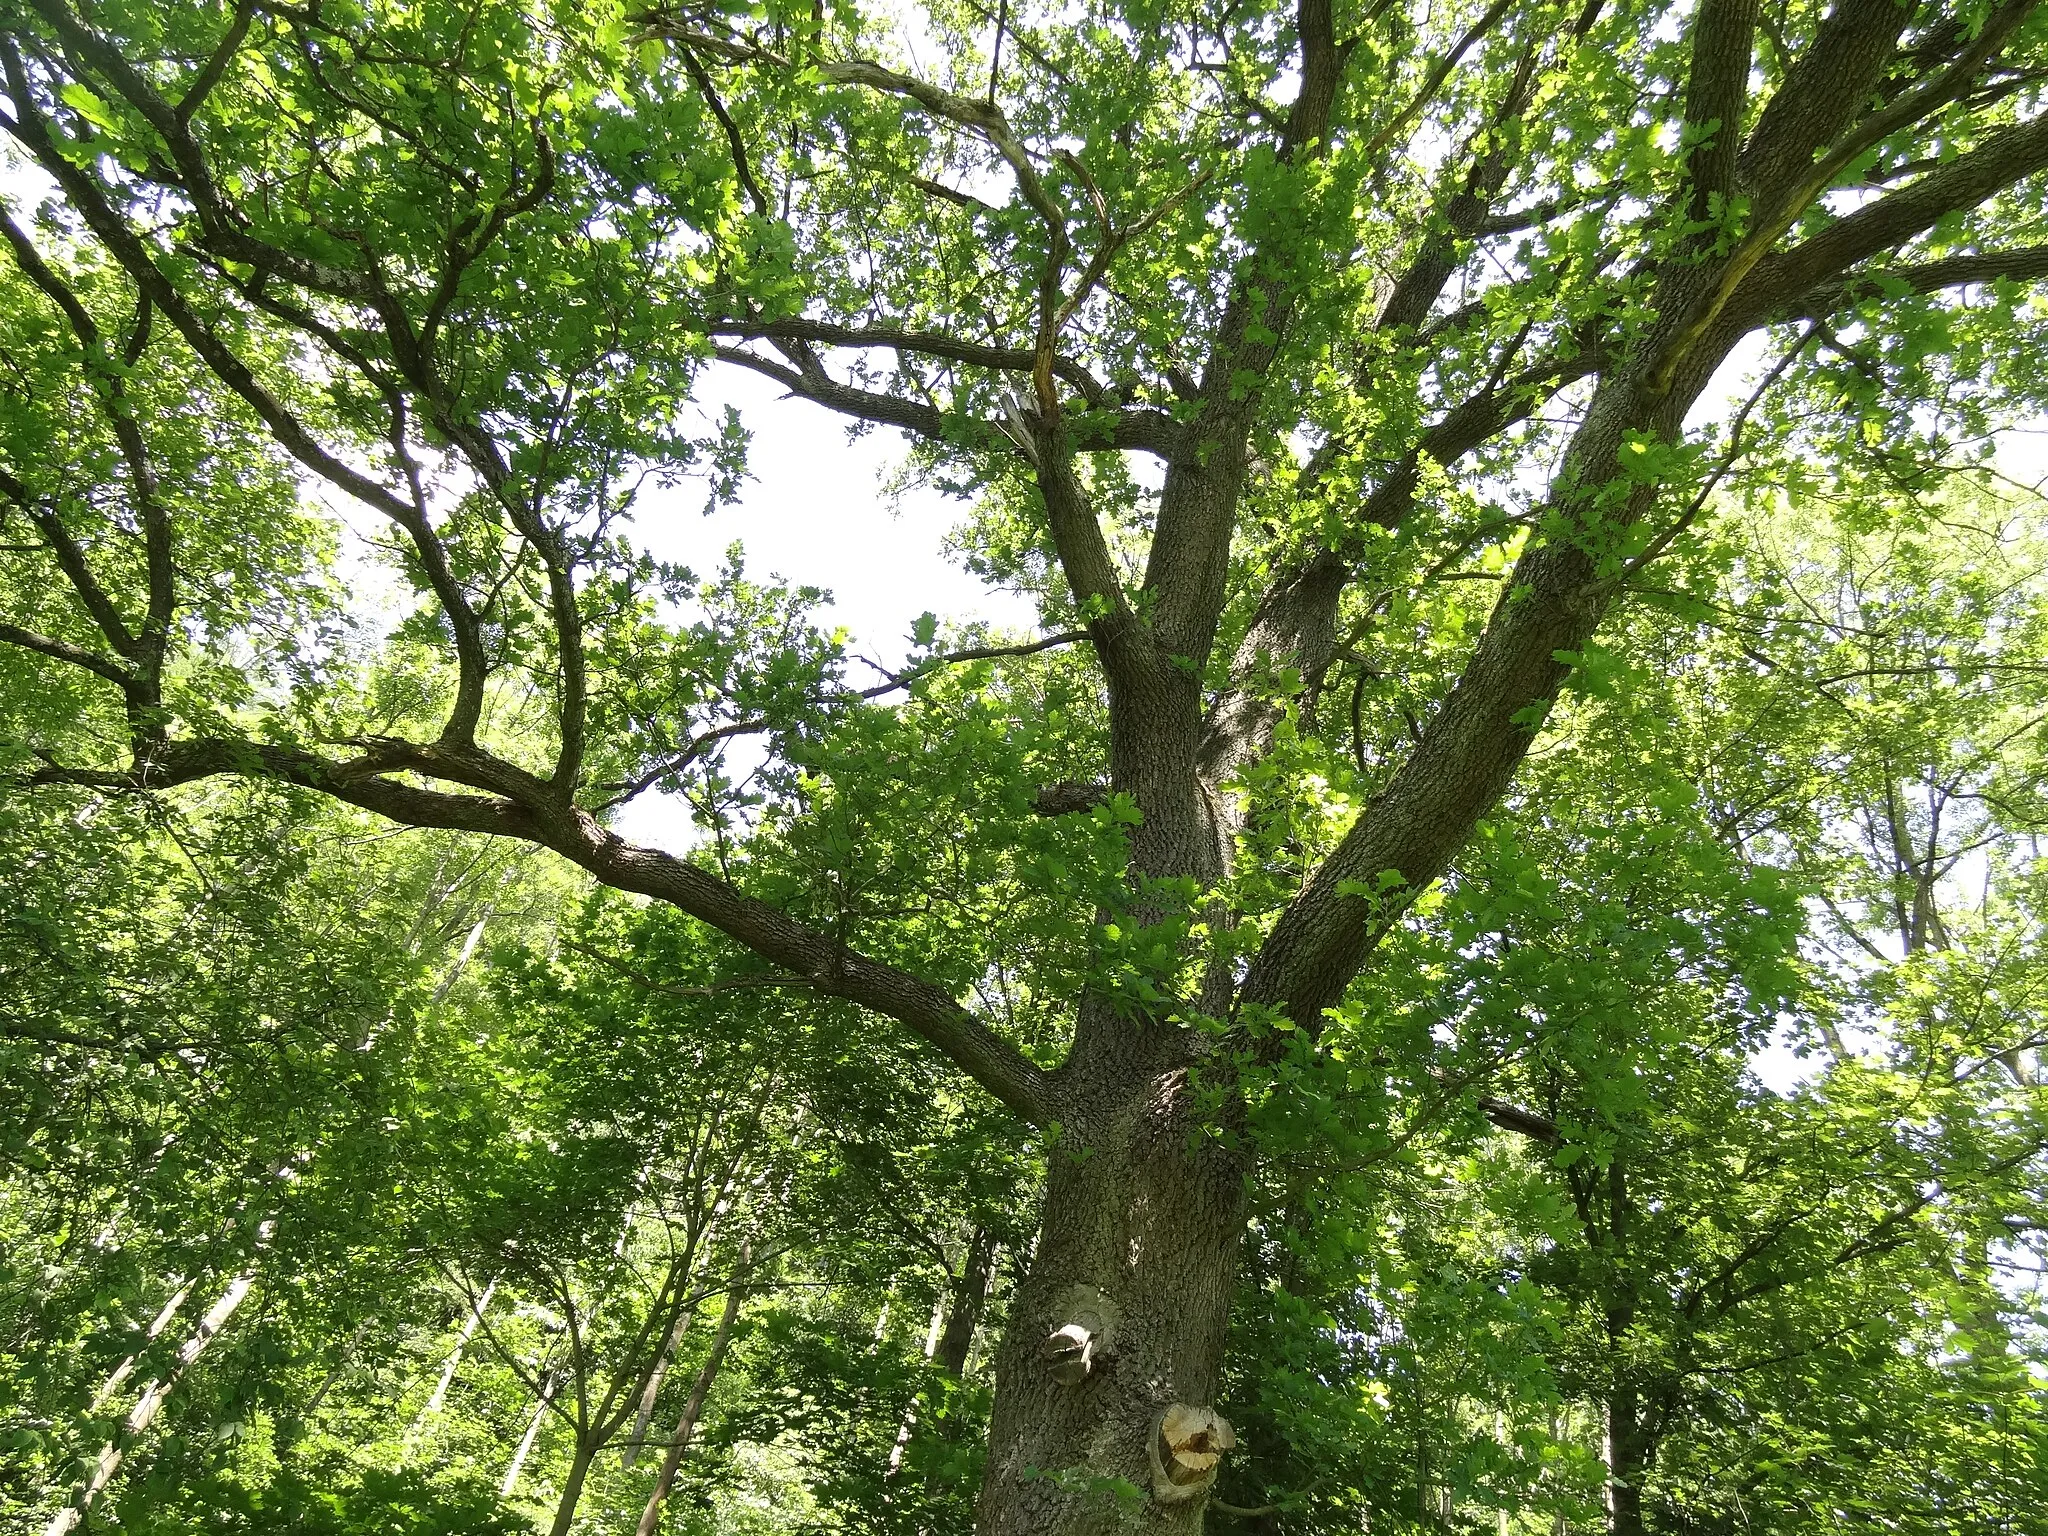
(1144, 1215)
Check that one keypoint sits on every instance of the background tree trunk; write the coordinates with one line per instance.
(1627, 1446)
(970, 1295)
(572, 1487)
(540, 1413)
(908, 1423)
(148, 1405)
(469, 1327)
(643, 1416)
(954, 1319)
(1625, 1460)
(686, 1426)
(118, 1378)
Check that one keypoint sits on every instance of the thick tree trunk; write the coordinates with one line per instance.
(1137, 1247)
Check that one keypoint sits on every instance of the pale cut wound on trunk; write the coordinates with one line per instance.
(1187, 1447)
(1084, 1329)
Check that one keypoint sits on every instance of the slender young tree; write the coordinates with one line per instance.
(693, 1408)
(1366, 292)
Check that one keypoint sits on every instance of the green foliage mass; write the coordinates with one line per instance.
(1514, 839)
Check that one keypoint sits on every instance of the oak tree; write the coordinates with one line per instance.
(1332, 375)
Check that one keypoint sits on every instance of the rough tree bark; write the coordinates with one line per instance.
(1138, 1245)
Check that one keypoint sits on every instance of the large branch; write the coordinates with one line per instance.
(183, 762)
(1779, 208)
(223, 232)
(1822, 92)
(1408, 835)
(1468, 753)
(1128, 657)
(1461, 217)
(848, 400)
(981, 116)
(933, 344)
(1434, 80)
(1112, 424)
(1716, 92)
(1188, 565)
(1296, 622)
(1470, 750)
(513, 802)
(1035, 428)
(145, 651)
(830, 968)
(1540, 1129)
(1127, 426)
(116, 672)
(2019, 264)
(70, 557)
(1493, 154)
(2002, 159)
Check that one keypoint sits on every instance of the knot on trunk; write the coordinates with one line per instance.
(1069, 1352)
(1187, 1446)
(1067, 796)
(1084, 1326)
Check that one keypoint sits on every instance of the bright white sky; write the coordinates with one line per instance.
(816, 513)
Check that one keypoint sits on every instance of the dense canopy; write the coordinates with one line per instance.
(1481, 967)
